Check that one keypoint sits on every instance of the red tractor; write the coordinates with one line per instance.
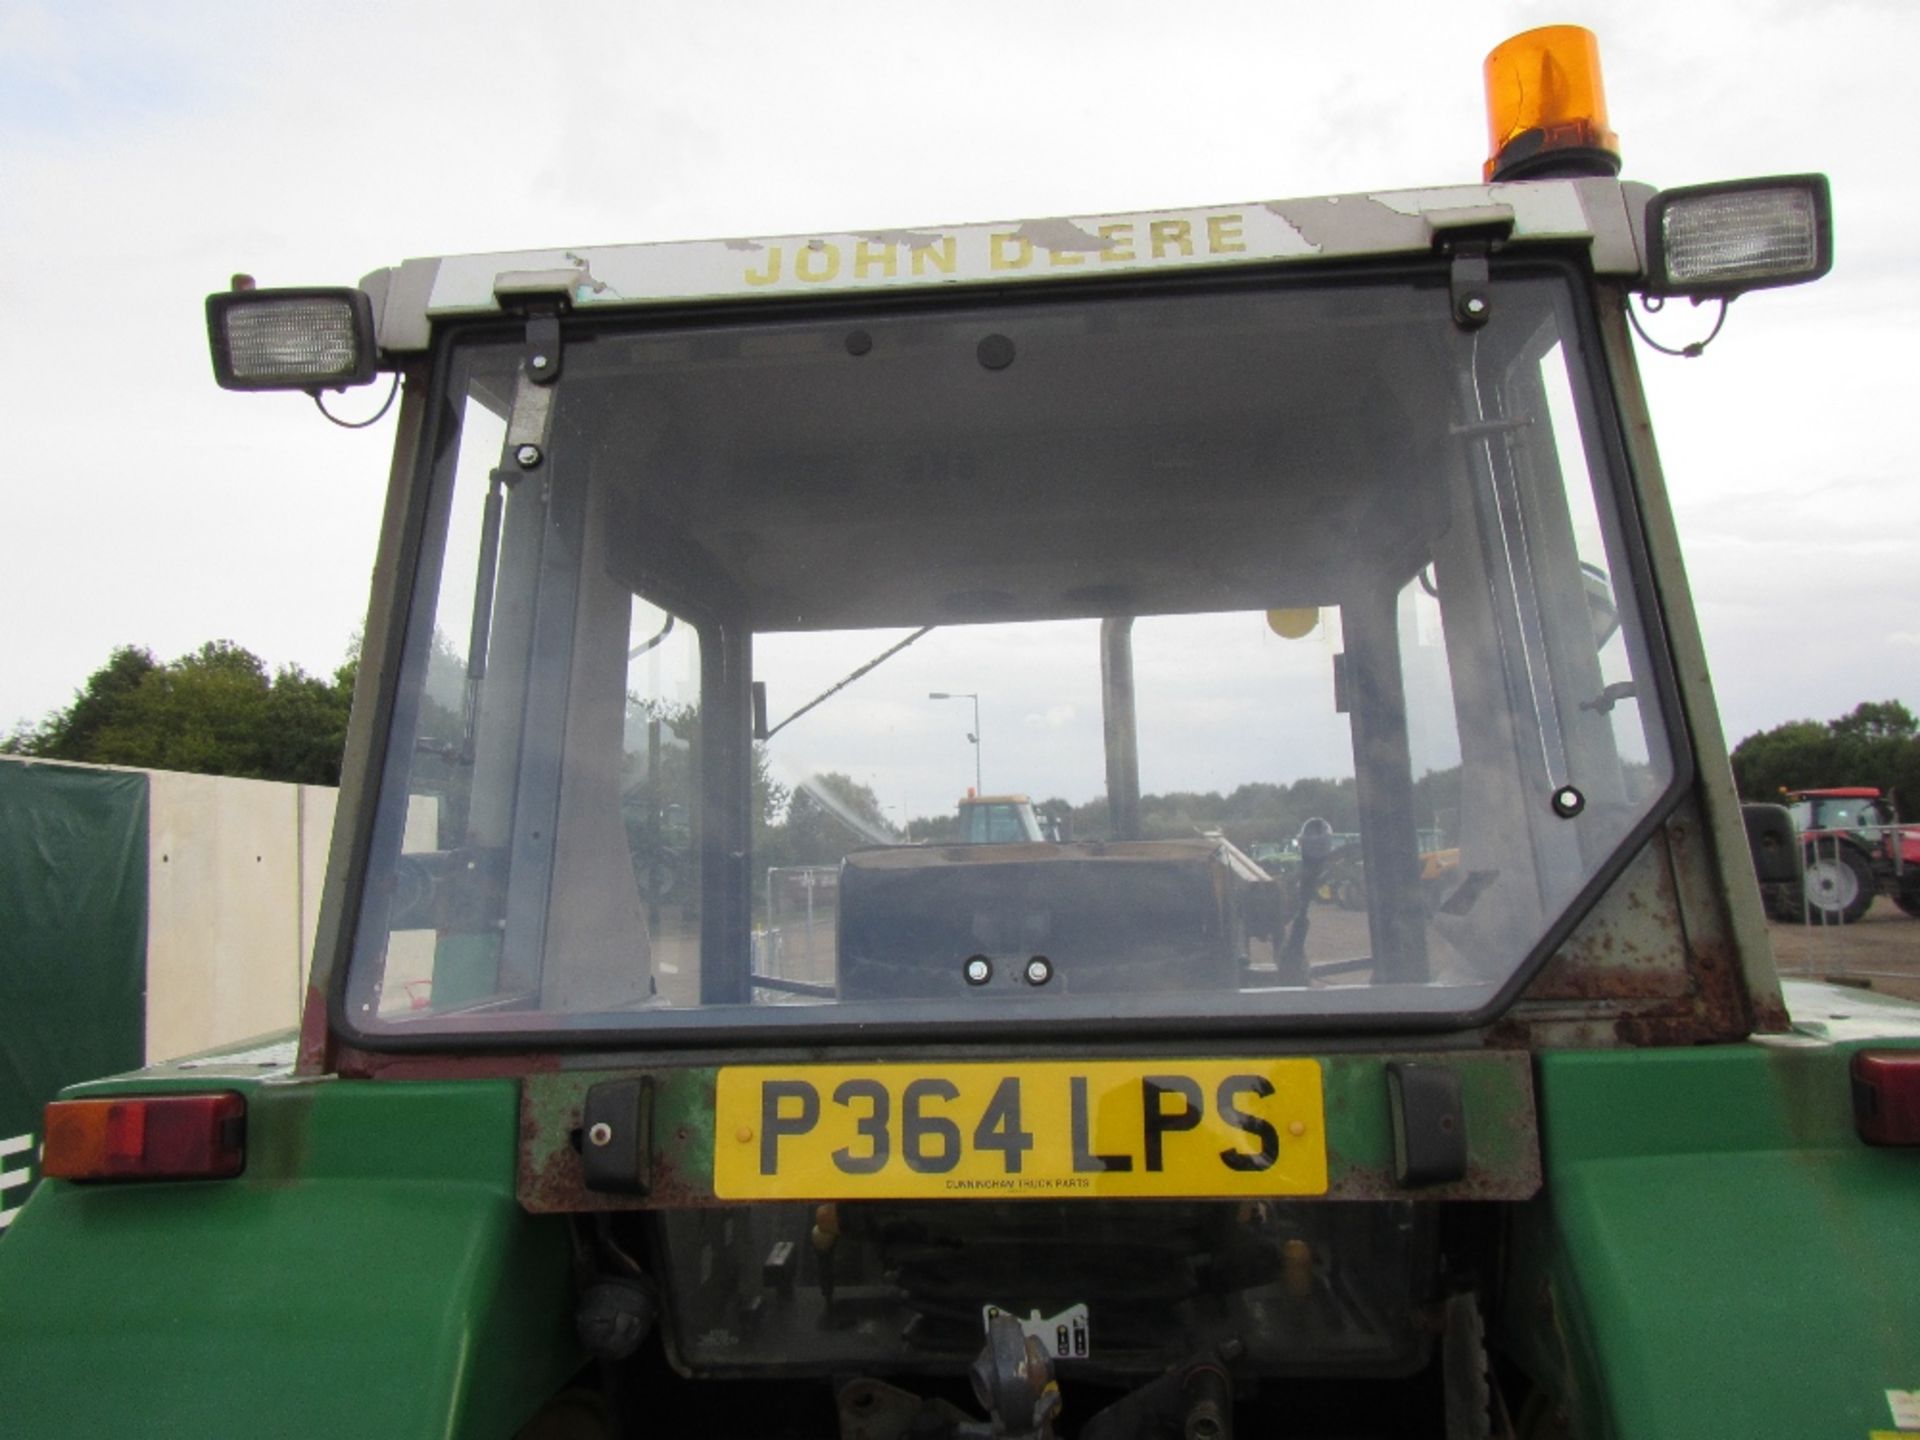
(1852, 851)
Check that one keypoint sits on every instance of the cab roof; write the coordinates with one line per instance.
(1603, 216)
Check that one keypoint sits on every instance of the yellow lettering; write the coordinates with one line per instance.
(1064, 257)
(1121, 241)
(817, 261)
(1223, 234)
(1169, 233)
(772, 271)
(868, 255)
(1005, 258)
(938, 257)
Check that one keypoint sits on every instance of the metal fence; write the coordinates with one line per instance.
(794, 952)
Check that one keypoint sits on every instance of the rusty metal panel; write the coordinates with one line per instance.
(1496, 1101)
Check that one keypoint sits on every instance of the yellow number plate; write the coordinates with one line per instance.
(993, 1131)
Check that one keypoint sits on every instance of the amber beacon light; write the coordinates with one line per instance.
(1546, 107)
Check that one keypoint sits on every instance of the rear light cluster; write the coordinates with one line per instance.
(1886, 1096)
(147, 1137)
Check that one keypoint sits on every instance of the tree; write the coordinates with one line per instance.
(1876, 743)
(1876, 720)
(213, 711)
(829, 815)
(71, 734)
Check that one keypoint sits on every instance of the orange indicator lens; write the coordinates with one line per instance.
(1546, 108)
(146, 1137)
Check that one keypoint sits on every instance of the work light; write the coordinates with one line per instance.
(291, 339)
(1718, 240)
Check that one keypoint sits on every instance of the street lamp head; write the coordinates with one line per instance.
(938, 695)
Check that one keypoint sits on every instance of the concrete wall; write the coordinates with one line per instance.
(234, 875)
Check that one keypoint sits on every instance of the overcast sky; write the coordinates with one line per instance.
(147, 151)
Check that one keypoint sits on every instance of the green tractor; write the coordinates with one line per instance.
(1047, 1138)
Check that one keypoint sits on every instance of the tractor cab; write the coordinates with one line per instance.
(999, 820)
(1858, 810)
(731, 1113)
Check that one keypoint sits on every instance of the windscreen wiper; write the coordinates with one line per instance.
(832, 690)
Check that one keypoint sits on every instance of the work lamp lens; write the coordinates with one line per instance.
(1722, 239)
(311, 339)
(299, 340)
(1741, 237)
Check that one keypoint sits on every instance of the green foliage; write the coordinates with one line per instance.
(828, 816)
(214, 711)
(71, 734)
(1876, 743)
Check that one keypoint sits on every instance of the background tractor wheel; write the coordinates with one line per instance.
(1840, 886)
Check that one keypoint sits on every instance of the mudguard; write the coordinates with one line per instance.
(1716, 1251)
(369, 1274)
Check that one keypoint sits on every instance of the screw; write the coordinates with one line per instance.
(1568, 802)
(528, 456)
(979, 970)
(600, 1134)
(540, 362)
(1039, 971)
(1476, 305)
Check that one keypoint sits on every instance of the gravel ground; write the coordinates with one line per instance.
(1881, 949)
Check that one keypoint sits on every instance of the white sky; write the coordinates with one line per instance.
(147, 151)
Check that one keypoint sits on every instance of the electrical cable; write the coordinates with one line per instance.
(1654, 305)
(373, 419)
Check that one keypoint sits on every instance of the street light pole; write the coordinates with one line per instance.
(979, 788)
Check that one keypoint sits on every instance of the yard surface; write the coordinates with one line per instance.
(1880, 950)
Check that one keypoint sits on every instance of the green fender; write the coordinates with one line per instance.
(370, 1274)
(1716, 1251)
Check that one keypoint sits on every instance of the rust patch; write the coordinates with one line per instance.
(311, 1057)
(1376, 1182)
(375, 1065)
(1509, 1032)
(1630, 946)
(674, 1190)
(549, 1178)
(549, 1174)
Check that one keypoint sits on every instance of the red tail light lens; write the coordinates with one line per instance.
(1886, 1096)
(147, 1137)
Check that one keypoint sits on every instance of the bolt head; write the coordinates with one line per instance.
(979, 970)
(1039, 970)
(540, 362)
(528, 456)
(1476, 306)
(1568, 802)
(601, 1134)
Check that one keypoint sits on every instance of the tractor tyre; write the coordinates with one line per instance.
(1840, 886)
(1907, 897)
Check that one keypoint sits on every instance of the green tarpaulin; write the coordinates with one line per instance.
(73, 943)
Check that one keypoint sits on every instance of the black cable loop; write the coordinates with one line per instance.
(1654, 305)
(373, 419)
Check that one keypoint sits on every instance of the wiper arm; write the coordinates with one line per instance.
(832, 690)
